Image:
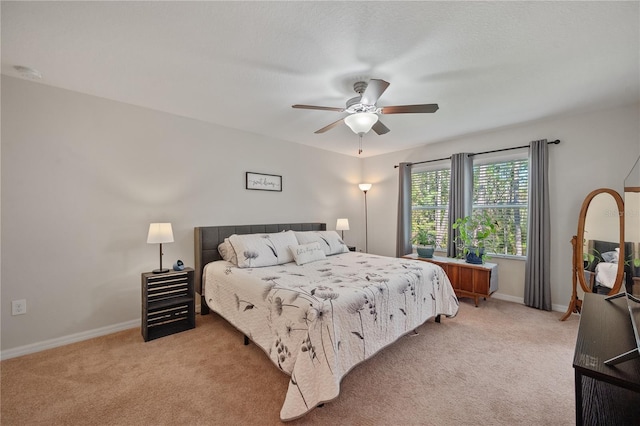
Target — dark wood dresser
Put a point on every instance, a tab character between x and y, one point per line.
605	395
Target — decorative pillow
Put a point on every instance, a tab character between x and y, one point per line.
610	256
227	252
256	250
330	241
306	253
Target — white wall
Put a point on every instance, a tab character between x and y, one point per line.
597	151
632	216
82	178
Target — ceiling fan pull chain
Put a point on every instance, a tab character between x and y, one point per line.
360	144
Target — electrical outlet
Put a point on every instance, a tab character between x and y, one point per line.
18	307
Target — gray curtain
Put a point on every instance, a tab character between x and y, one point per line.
403	238
537	286
460	194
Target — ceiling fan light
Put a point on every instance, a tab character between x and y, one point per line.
361	122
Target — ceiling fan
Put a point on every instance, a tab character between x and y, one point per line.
363	112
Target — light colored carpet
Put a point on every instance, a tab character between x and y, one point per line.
499	364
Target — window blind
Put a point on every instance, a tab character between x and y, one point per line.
430	202
501	188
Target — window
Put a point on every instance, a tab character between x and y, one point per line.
501	188
430	202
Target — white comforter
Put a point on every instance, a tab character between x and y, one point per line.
606	273
319	320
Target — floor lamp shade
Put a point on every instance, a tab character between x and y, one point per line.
160	233
342	225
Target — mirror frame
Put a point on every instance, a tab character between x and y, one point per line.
579	252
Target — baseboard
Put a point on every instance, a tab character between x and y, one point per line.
65	340
90	334
508	298
559	308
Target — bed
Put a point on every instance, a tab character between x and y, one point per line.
601	270
318	319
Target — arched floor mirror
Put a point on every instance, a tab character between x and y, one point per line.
599	257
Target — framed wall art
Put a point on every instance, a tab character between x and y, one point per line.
263	182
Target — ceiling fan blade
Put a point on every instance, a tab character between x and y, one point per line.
380	128
405	109
322	108
374	90
329	126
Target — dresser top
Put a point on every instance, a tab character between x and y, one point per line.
606	332
440	259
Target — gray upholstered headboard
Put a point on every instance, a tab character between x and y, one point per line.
207	239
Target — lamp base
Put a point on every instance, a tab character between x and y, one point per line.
160	271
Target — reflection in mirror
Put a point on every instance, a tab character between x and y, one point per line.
600	233
602	222
632	181
632	228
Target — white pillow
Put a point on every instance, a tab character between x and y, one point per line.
306	253
330	241
610	256
227	252
256	250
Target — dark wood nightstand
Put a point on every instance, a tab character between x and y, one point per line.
168	303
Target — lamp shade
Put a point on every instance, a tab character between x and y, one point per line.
160	233
361	122
342	225
364	186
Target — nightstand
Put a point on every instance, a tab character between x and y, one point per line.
168	303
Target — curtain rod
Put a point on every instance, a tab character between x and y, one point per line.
556	142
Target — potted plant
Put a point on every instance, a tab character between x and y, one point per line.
475	235
589	257
425	242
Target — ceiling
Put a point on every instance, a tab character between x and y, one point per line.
243	64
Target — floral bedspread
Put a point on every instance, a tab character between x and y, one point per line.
317	321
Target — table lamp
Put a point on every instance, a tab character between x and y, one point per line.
160	233
342	225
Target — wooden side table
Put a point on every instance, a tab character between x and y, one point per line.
168	303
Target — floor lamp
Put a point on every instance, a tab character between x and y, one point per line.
364	187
